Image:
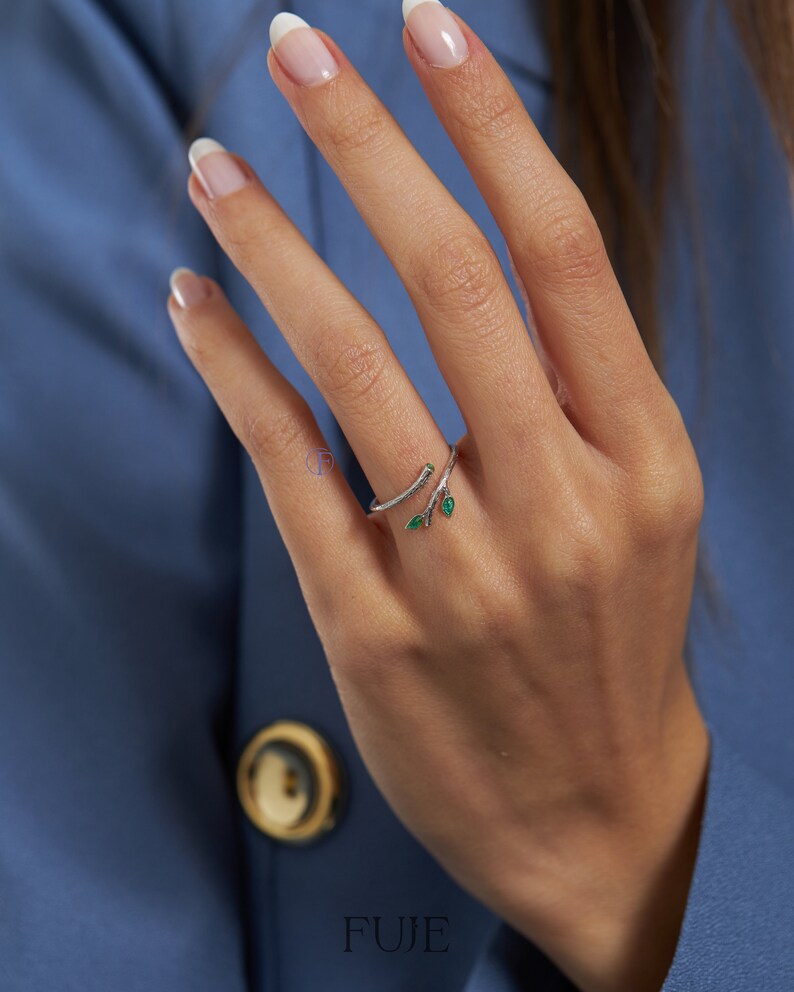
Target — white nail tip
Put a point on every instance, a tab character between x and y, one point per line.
282	23
202	147
408	6
181	271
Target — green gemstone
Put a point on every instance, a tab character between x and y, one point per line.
414	522
448	506
431	466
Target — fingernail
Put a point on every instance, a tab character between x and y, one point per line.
435	32
217	171
188	288
301	51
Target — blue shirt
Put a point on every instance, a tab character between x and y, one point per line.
150	618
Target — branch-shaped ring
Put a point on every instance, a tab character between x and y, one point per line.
447	504
424	475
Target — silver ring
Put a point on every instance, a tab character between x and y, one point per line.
447	504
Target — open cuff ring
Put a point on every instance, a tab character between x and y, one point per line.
447	504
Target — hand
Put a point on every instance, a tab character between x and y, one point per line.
512	674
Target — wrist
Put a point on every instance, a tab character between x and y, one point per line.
604	896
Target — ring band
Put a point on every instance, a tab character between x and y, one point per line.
447	504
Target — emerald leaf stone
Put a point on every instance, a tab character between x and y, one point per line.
414	522
448	506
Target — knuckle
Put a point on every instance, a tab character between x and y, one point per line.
244	237
498	613
354	370
569	244
674	506
584	560
460	273
267	436
362	127
489	113
672	496
244	227
389	647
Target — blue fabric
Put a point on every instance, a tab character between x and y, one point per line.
150	619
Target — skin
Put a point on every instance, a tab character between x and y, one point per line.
531	722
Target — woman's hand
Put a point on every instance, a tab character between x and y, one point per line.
513	674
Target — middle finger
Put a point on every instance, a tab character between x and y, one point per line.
449	268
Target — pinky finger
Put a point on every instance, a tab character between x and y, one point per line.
324	528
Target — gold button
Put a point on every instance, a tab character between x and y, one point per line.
290	782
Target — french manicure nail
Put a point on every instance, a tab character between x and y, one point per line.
435	32
188	288
218	172
301	51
